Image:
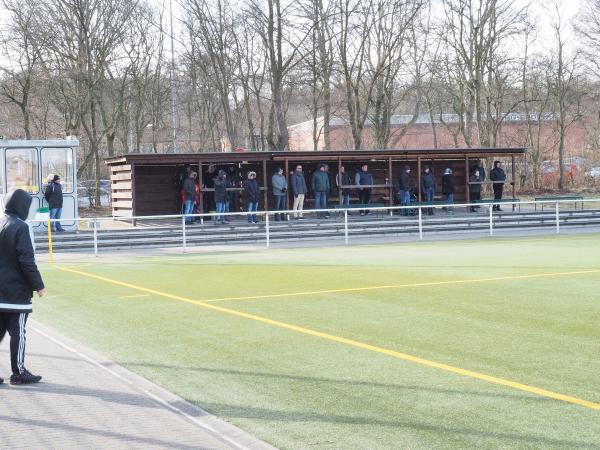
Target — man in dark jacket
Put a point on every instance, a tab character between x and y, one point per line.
321	187
280	186
428	187
252	190
404	188
448	188
54	197
19	278
299	189
364	181
189	195
221	185
498	177
342	181
475	189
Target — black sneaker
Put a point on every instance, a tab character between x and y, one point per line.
25	377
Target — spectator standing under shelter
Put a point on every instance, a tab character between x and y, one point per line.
475	189
342	181
404	189
428	187
221	197
448	188
364	181
478	165
498	177
189	194
321	187
19	278
280	186
54	197
299	189
252	190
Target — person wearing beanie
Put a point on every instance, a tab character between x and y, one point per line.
404	188
498	177
252	190
279	183
54	196
19	279
475	188
428	187
299	189
364	180
448	188
320	186
221	185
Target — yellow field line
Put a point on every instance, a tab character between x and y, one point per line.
397	286
135	296
350	342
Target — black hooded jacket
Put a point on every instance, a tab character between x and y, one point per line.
54	195
19	275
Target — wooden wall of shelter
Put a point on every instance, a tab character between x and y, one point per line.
148	184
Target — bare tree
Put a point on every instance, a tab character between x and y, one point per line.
22	57
83	40
563	80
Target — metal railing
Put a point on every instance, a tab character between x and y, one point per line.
265	215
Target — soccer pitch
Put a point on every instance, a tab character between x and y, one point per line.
487	343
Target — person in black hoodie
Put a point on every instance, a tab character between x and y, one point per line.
54	197
19	278
428	187
221	184
404	189
498	177
448	188
475	189
253	195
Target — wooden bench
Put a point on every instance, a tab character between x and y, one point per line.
502	200
369	206
574	198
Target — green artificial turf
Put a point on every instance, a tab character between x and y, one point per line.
298	391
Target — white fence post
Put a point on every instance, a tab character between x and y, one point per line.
491	221
557	219
95	237
346	226
183	234
267	229
420	224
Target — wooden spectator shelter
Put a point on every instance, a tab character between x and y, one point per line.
147	184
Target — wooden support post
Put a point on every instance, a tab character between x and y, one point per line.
201	182
514	184
340	179
391	182
265	185
419	177
287	181
467	179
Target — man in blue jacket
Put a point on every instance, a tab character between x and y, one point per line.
19	278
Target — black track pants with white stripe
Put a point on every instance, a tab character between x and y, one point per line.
14	323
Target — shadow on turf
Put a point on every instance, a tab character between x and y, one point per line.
345	382
127	439
248	412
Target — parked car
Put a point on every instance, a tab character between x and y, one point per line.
86	191
551	173
593	173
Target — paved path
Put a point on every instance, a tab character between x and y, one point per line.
86	401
